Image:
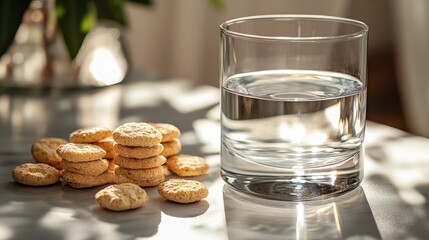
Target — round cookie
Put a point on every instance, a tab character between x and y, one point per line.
171	148
141	183
169	132
183	191
138	152
43	150
90	135
106	144
92	168
78	180
80	185
136	163
35	174
110	155
121	197
75	152
137	135
140	174
187	165
112	166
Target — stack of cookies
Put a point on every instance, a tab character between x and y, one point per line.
100	136
138	156
83	165
169	141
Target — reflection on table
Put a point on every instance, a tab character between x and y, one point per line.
249	217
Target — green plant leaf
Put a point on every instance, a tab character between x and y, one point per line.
75	19
11	12
110	10
143	2
216	3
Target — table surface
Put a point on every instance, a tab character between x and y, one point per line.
390	204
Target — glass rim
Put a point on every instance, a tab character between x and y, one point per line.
362	32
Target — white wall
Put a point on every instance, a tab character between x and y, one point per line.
181	38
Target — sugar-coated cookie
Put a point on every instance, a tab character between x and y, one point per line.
183	191
137	135
138	152
112	166
107	145
121	197
136	163
169	132
140	174
78	180
93	168
75	152
171	148
35	174
141	183
90	135
43	150
187	165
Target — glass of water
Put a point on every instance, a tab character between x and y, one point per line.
293	105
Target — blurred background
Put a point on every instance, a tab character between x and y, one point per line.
180	39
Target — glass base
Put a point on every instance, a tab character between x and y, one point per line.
293	188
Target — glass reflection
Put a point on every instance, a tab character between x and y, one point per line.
342	217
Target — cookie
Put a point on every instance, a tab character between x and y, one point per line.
171	148
187	165
141	183
121	197
44	151
110	155
138	152
166	171
35	174
137	135
75	152
183	191
112	166
136	163
140	174
92	168
106	144
78	180
79	185
90	135
169	132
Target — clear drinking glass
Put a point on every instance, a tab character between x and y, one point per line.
293	105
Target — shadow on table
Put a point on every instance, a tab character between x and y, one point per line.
401	213
56	212
184	210
343	217
21	218
141	222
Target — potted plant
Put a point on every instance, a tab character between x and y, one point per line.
63	42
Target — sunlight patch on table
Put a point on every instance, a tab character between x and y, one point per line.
214	113
196	99
208	132
189	138
99	109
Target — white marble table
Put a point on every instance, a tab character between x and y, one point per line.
392	202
